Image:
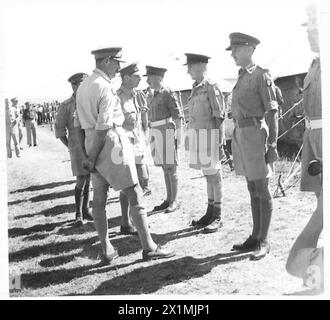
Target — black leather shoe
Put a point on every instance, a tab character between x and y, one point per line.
128	230
214	226
205	219
262	250
107	259
161	207
159	253
249	244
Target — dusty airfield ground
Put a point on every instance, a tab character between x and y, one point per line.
55	258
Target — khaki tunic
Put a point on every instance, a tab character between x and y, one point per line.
162	105
205	105
64	125
253	95
98	108
132	102
312	140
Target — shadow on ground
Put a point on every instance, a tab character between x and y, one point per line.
51	212
45	197
44	186
149	279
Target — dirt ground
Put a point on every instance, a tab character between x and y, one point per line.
52	257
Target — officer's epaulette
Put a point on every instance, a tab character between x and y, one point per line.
262	70
67	101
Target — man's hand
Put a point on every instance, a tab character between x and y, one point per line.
88	165
271	155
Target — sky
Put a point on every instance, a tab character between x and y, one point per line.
44	42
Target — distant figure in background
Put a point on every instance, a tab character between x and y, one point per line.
132	102
11	129
29	118
40	111
306	259
15	105
66	132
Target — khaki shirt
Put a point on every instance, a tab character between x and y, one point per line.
205	104
132	104
65	118
163	104
98	106
312	102
253	94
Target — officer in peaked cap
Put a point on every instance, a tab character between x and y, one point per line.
110	157
254	149
165	121
241	39
66	132
77	78
155	71
114	53
206	115
134	106
305	255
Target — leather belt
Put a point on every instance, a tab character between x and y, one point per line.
246	122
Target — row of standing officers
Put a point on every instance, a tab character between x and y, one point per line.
107	138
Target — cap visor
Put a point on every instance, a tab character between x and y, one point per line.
304	24
229	48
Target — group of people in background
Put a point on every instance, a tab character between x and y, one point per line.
29	115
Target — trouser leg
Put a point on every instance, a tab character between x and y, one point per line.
139	218
8	141
34	133
28	132
266	207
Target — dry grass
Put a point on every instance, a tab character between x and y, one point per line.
55	258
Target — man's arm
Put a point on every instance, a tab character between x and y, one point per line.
272	155
97	145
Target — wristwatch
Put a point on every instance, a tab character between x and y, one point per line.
272	145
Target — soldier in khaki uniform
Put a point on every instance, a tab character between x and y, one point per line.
110	157
66	132
29	118
15	105
133	104
206	137
165	121
11	129
306	259
254	143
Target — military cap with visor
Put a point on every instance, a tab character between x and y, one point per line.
193	58
155	71
241	39
77	77
112	52
130	69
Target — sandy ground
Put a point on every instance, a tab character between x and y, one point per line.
52	257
